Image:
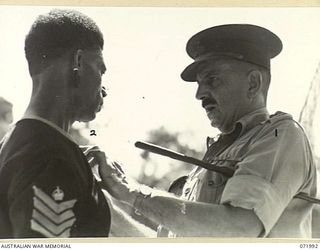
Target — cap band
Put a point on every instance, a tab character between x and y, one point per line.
211	55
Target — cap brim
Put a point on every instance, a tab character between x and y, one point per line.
189	74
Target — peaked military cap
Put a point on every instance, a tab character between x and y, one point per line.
245	42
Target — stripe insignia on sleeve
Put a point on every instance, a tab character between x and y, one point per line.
50	218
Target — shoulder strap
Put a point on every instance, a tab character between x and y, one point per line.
262	125
302	196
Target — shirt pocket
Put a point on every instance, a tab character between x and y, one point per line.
212	184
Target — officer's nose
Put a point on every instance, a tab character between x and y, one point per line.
202	92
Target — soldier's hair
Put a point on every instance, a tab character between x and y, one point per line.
58	32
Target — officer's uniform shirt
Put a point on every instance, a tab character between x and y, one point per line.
46	186
272	162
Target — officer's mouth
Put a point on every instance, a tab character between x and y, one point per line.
210	108
209	105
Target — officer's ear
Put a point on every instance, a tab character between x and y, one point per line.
255	83
77	67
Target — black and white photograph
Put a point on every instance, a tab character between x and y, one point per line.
159	122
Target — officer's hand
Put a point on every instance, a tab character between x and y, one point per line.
96	157
109	174
116	183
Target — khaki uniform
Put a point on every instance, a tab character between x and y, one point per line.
273	162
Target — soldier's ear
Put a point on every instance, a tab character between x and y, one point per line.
77	59
255	83
76	67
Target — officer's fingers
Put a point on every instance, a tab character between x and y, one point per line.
93	162
119	167
96	157
95	152
108	170
87	149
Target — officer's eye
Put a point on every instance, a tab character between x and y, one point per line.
212	80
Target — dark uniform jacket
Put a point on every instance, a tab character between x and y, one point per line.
46	186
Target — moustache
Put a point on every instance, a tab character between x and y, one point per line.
208	101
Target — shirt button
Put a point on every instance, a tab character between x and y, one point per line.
210	183
187	191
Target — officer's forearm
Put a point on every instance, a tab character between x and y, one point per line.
123	225
187	218
184	218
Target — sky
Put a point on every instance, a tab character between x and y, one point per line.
145	54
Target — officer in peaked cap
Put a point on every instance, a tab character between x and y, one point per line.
269	155
243	42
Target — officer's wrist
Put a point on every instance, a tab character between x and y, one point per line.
143	193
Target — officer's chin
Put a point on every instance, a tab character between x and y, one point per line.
213	122
216	125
